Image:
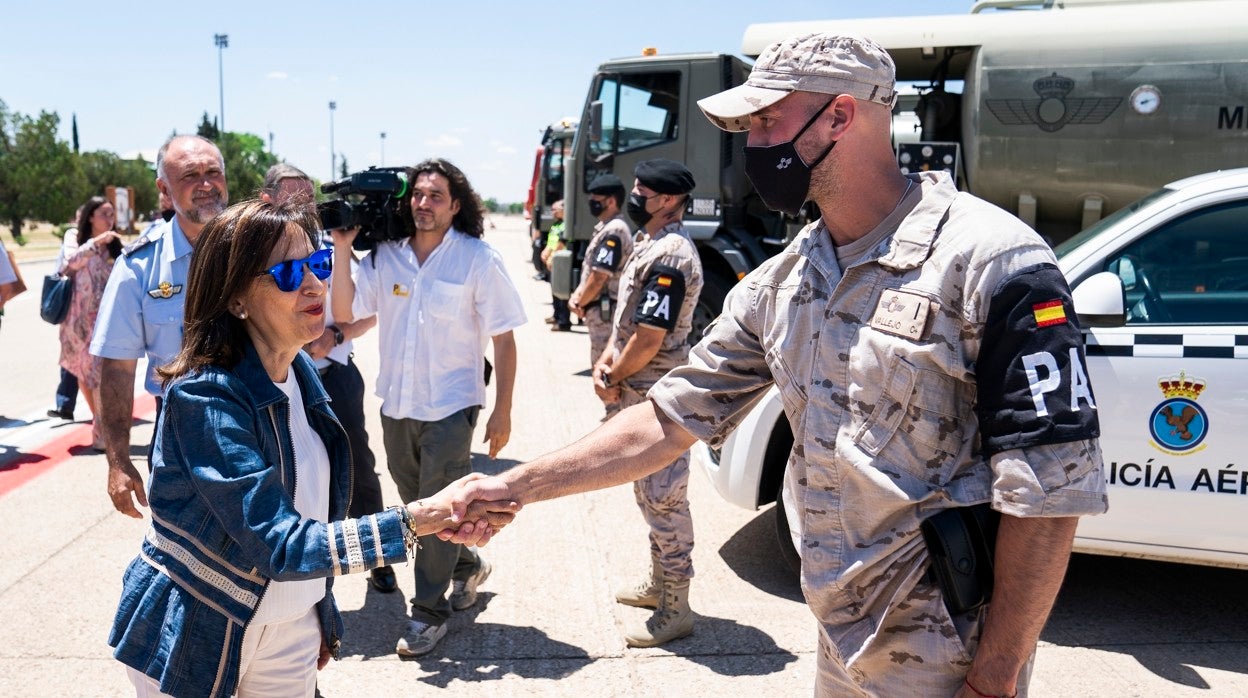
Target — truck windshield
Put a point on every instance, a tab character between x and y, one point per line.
638	110
1111	220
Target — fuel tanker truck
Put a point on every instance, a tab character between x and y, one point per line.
1060	112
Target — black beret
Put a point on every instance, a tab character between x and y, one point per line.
665	176
606	184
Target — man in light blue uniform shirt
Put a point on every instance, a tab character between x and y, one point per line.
141	312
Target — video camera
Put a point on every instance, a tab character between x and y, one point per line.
372	200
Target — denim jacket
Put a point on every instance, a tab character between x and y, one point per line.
224	524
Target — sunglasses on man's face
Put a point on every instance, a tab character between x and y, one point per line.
289	274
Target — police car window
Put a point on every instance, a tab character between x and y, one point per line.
1191	270
643	112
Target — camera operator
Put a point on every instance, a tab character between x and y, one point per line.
438	295
332	352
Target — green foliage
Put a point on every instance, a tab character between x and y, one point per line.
515	208
208	129
344	171
43	179
246	162
103	168
491	205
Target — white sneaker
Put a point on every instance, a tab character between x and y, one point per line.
464	591
420	638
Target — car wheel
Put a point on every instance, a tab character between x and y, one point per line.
784	539
715	288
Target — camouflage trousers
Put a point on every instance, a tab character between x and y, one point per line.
663	498
918	651
599	335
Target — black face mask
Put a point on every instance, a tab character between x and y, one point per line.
778	173
596	207
637	209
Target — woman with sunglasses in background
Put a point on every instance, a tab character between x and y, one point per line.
231	591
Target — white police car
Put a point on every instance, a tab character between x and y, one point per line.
1161	289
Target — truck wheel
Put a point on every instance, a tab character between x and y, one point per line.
784	540
715	288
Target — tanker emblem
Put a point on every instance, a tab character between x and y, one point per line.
1178	424
1052	110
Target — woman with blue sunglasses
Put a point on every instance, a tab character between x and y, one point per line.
231	593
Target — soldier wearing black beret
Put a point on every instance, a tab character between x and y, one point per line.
657	293
605	258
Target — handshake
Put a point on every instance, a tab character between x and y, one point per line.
468	511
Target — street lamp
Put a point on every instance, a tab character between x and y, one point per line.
223	42
383	148
333	157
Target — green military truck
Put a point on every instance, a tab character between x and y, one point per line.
1061	113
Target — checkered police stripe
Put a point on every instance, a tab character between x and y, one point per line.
1174	346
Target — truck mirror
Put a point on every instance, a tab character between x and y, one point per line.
595	120
1100	301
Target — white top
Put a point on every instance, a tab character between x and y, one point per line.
434	321
342	353
285	601
7	275
69	244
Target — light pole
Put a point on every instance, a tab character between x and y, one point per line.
333	156
223	42
383	148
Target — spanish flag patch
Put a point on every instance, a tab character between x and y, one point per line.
665	281
1049	313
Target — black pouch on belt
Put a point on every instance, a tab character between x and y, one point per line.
605	308
961	543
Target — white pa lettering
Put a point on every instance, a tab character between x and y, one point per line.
657	306
606	256
1043	360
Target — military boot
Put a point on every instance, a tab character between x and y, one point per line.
673	618
643	594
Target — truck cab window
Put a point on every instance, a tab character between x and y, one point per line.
638	110
1191	270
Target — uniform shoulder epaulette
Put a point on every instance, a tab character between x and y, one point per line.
139	244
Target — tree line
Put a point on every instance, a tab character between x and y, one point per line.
44	178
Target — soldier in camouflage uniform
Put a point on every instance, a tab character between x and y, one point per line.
609	250
927	353
658	290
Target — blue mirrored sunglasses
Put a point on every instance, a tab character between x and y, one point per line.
289	274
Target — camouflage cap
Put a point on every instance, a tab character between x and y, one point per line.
833	64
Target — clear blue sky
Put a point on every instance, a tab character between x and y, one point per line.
475	82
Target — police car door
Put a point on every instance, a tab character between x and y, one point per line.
1170	386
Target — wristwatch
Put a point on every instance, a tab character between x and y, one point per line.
338	336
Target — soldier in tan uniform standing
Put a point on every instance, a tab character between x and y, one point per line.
609	250
927	352
658	290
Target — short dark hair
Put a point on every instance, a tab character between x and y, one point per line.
471	217
273	178
231	251
85	231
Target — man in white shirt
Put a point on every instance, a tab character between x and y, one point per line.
438	296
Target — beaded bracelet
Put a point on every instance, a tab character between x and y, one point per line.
410	540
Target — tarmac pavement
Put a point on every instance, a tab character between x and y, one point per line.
545	623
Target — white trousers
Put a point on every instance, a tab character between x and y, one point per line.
278	661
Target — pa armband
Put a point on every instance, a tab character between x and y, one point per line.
661	298
609	254
1032	373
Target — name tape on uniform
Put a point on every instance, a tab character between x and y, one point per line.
902	314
